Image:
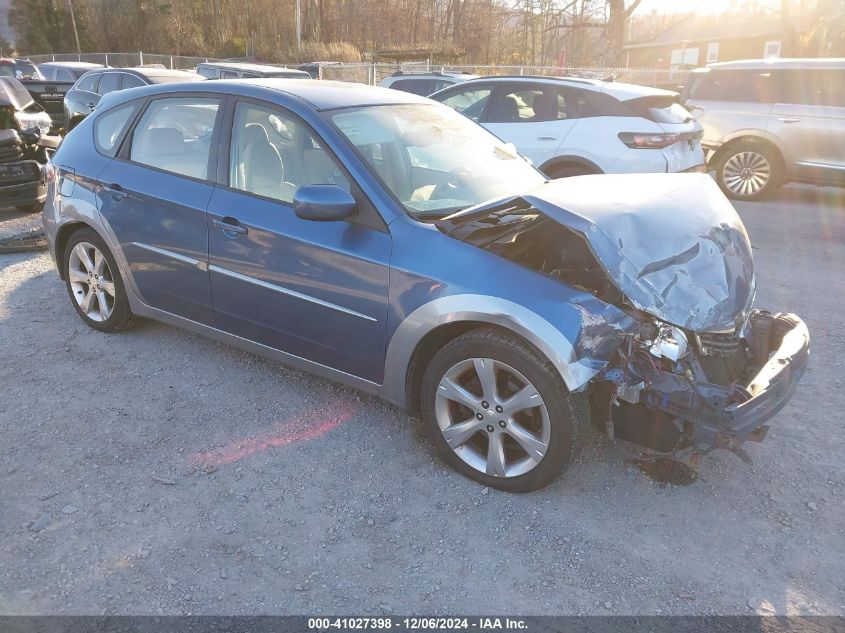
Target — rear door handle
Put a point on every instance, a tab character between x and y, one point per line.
546	138
788	119
230	225
116	192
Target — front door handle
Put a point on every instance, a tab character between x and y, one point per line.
116	192
230	226
788	119
546	138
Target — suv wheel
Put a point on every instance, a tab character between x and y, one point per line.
94	283
747	171
499	413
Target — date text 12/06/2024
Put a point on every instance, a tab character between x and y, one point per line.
416	624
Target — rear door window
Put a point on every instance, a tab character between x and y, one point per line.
422	87
735	85
525	103
174	135
109	83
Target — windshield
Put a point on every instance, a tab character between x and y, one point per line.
432	159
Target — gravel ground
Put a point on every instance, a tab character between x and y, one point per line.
159	472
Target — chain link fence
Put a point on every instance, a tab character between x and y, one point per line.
374	73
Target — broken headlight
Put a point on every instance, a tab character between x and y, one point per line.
670	342
39	120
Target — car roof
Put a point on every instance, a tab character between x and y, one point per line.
259	68
72	64
320	95
794	62
619	90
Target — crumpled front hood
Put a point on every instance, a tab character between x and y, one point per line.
672	243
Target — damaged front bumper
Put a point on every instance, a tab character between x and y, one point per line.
708	414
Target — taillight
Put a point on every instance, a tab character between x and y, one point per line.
49	173
648	141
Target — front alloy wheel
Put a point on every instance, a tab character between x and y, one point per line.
499	412
492	417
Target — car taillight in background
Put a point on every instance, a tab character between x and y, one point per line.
649	141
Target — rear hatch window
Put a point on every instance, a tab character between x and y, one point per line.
660	109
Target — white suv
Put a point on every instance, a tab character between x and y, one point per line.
568	127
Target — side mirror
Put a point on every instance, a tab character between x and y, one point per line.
323	203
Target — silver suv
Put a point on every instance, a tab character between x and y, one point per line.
769	122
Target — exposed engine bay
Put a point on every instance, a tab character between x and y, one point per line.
671	390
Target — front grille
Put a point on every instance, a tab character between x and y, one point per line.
720	344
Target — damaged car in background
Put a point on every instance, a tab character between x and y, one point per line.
24	147
433	267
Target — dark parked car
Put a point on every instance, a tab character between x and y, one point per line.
385	241
24	144
66	71
85	94
59	78
19	69
243	70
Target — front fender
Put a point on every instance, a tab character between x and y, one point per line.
579	347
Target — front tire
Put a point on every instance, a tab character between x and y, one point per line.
748	170
499	413
94	283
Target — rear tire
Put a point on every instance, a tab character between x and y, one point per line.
748	170
515	445
94	284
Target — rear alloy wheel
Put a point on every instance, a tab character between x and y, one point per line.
499	413
747	171
94	283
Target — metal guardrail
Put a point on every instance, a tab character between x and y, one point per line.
374	72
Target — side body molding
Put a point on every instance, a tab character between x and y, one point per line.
486	309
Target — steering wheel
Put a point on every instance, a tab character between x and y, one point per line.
457	180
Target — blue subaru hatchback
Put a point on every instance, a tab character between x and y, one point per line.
382	240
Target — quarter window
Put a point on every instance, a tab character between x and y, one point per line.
811	87
131	81
273	154
175	135
109	127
